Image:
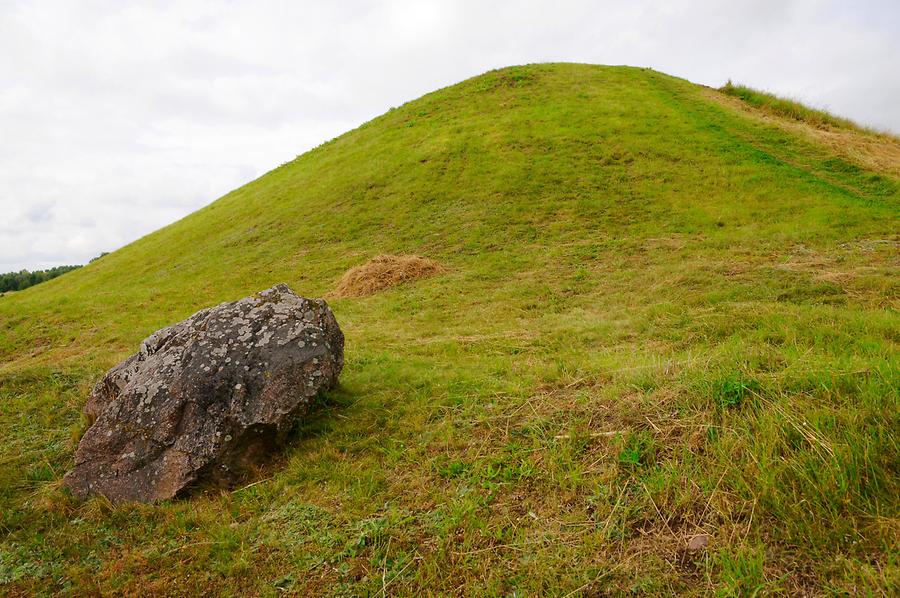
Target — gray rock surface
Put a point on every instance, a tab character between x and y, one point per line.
207	398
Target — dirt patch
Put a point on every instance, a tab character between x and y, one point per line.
382	272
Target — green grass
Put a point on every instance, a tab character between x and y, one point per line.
789	109
659	317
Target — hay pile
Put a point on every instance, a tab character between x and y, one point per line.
382	272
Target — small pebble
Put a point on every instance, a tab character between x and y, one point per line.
698	543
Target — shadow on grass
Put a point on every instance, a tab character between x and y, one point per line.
269	456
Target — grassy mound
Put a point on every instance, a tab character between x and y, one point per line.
662	317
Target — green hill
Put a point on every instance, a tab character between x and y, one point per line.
661	312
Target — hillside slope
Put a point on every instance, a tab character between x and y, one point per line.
659	316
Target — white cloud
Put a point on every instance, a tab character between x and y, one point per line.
118	118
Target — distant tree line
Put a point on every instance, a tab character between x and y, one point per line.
16	281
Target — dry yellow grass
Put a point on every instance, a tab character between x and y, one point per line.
879	151
382	272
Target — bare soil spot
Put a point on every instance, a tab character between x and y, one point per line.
382	272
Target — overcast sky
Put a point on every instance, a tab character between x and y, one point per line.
118	117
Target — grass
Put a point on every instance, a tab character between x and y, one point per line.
789	109
658	317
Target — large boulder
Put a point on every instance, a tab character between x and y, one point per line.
208	397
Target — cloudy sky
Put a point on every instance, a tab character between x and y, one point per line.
119	117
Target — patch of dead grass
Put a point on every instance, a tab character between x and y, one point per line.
880	152
857	267
382	272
